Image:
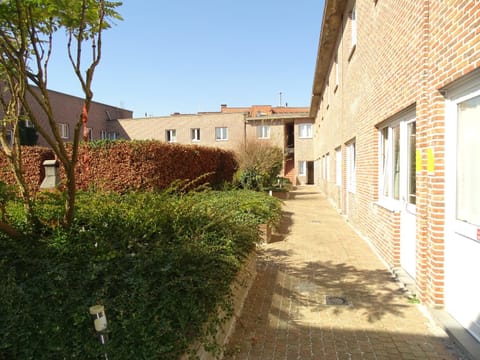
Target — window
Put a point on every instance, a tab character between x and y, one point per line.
103	135
90	134
353	18
351	167
64	130
171	135
112	135
195	134
468	173
304	131
390	153
327	167
9	137
263	132
337	75
338	166
29	123
221	133
302	168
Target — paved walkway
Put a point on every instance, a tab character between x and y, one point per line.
314	257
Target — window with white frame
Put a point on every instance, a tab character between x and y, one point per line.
221	133
327	167
171	135
351	166
64	130
337	75
304	131
112	135
353	19
338	166
397	172
103	135
9	137
468	173
302	168
263	131
195	134
90	134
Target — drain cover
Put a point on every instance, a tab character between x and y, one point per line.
335	300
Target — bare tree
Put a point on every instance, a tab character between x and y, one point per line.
27	28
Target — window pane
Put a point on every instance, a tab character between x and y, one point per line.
468	171
412	167
396	162
385	162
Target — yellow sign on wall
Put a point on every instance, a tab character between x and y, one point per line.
418	160
430	161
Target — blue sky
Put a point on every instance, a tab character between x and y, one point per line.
191	55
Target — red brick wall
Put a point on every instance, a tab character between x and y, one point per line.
406	52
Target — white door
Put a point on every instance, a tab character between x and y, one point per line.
408	222
462	195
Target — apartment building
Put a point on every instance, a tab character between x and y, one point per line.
67	110
289	128
396	102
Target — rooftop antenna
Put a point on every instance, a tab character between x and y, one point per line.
280	95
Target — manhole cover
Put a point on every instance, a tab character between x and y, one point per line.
335	300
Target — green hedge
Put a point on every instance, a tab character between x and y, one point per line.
161	264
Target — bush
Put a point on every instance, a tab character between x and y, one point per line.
259	165
161	264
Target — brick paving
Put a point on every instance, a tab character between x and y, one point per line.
316	255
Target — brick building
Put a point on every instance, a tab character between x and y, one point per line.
289	128
67	110
396	102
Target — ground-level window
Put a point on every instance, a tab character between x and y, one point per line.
338	166
171	135
221	133
64	130
103	135
90	134
468	171
397	172
195	134
302	168
304	131
112	135
263	131
9	137
351	166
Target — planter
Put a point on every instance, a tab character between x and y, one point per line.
283	195
266	232
240	288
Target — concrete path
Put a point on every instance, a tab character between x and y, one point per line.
316	257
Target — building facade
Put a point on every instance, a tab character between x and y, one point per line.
231	128
396	102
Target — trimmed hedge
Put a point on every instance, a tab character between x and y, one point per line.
160	263
32	159
122	166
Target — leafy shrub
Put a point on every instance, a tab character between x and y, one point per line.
259	165
161	264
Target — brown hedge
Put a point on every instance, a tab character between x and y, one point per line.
150	165
132	165
32	160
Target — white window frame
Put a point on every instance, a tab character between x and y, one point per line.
113	135
221	133
171	135
351	148
465	91
103	135
64	129
90	133
263	131
195	134
305	131
353	19
338	166
302	168
386	170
